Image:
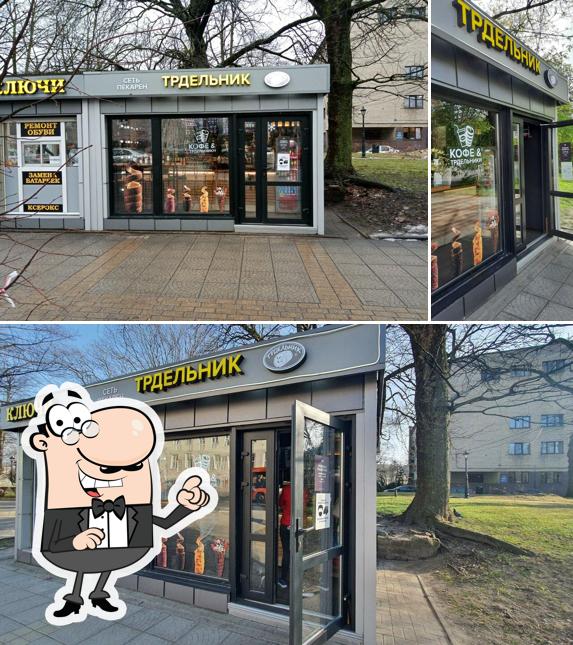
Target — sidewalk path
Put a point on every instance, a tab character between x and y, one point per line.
404	616
206	276
542	290
149	621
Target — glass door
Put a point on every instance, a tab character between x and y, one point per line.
561	191
274	170
316	532
518	185
256	568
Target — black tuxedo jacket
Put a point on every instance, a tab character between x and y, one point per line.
61	525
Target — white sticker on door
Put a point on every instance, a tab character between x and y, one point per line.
322	515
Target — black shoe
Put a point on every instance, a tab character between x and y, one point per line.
103	604
69	608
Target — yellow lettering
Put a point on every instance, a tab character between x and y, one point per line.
219	368
179	376
193	80
487	34
184	82
203	79
203	371
537	67
224	80
9	414
233	363
246	79
476	21
157	382
165	80
498	38
190	375
462	9
167	379
139	383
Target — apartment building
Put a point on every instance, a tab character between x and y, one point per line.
516	442
396	113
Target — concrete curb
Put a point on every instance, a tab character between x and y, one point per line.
435	611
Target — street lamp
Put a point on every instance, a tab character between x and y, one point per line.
467	490
363	112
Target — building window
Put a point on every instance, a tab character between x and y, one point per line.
550	477
490	375
519	449
553	366
415	71
519	423
551	420
525	477
551	447
195	165
466	226
414	102
520	370
408	133
202	548
506	478
132	166
391	14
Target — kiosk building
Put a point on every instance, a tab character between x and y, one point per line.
302	409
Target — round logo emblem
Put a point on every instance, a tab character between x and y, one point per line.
277	79
551	78
284	357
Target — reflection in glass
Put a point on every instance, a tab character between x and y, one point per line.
517	182
132	166
257	566
258	486
195	165
9	182
71	130
322	487
250	170
202	547
321	588
564	213
32	154
465	213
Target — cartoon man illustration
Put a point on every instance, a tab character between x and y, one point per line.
98	504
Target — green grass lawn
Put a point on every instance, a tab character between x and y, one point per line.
541	524
395	170
498	597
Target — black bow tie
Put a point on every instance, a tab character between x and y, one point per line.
117	506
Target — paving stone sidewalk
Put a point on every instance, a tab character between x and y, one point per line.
206	276
27	591
404	615
542	289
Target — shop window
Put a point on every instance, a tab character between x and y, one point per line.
9	165
466	227
551	447
195	165
519	423
550	477
414	102
492	374
520	448
72	150
202	548
551	420
132	170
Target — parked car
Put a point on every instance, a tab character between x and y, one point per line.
125	155
377	149
405	488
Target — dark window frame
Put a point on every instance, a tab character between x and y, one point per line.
414	102
520	371
521	452
520	422
546	417
557	448
189	578
415	71
553	365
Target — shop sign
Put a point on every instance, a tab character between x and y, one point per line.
20	412
40	128
130	83
201	144
322	514
41	177
277	79
284	357
283	161
43	208
495	37
110	391
187	374
13	87
466	154
187	81
321	473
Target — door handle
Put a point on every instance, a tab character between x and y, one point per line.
298	533
244	485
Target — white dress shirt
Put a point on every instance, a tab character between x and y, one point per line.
115	529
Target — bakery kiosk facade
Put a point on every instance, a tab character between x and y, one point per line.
302	409
501	166
217	149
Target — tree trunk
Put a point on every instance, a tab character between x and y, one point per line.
337	19
569	491
431	501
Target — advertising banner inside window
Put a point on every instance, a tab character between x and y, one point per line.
466	226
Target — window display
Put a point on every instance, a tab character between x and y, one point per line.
465	210
195	165
203	547
132	166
